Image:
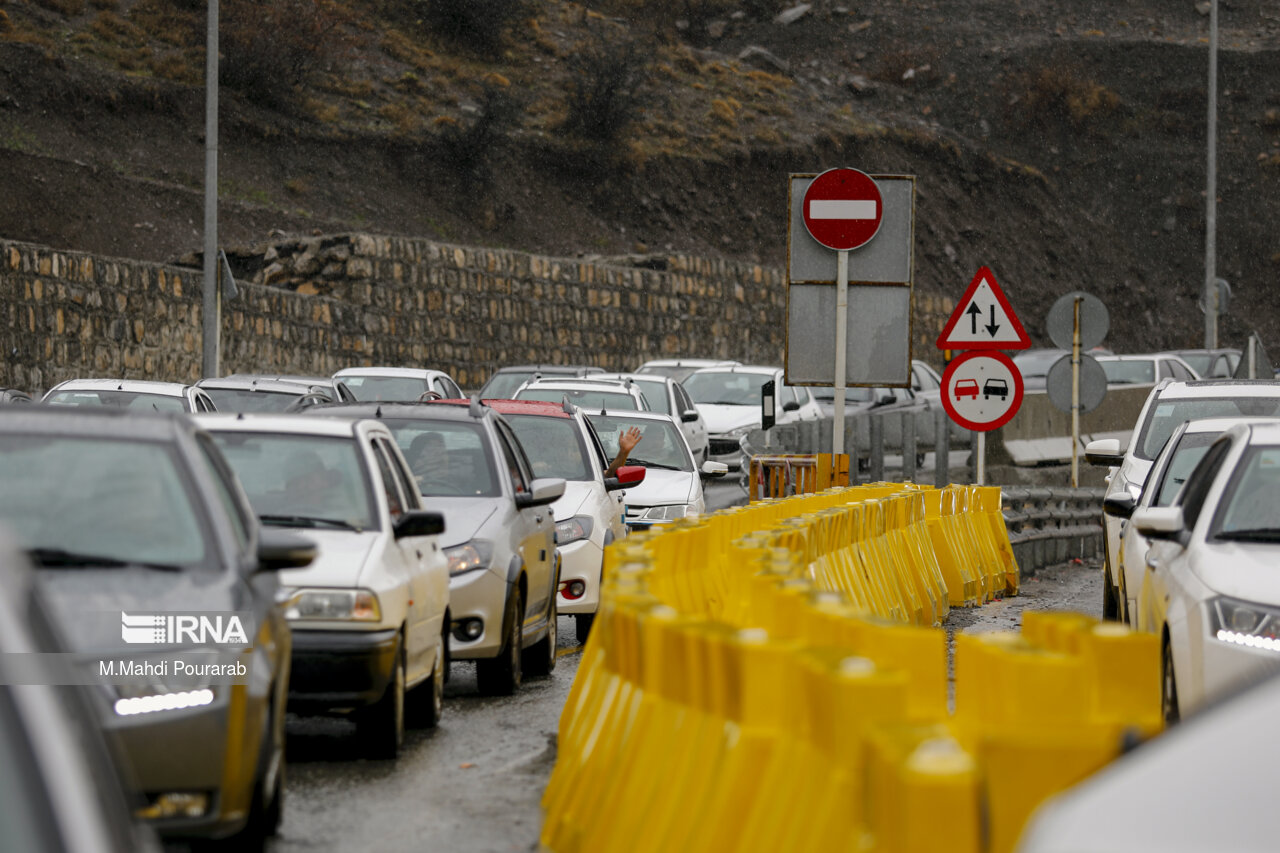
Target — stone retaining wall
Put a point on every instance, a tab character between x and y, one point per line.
317	305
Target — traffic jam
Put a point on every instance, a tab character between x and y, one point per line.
376	610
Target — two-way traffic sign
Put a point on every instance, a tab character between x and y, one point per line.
983	319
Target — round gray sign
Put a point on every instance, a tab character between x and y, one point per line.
1094	320
1093	383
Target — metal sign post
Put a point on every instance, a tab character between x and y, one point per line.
210	306
842	330
1075	397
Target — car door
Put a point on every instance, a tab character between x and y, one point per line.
405	559
695	430
533	532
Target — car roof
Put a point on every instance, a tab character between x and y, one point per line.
629	414
284	377
633	377
549	368
581	384
516	407
1200	425
246	383
411	372
689	362
1218	388
103	421
739	368
134	386
342	427
426	410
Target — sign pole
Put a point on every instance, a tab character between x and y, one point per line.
1075	398
981	475
842	331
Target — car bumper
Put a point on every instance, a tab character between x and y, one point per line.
726	449
580	560
1226	668
478	595
340	669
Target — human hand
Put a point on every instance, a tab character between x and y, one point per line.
629	439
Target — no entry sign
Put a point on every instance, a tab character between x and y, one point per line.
843	209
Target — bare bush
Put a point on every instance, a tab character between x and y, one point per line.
1060	95
468	144
608	87
479	24
271	47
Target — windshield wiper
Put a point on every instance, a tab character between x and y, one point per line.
631	460
1256	534
309	521
59	558
725	403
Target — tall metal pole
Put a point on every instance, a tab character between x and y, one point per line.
1075	396
842	331
1211	201
210	313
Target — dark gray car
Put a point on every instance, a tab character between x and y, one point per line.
159	579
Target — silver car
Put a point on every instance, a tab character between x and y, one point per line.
136	395
668	397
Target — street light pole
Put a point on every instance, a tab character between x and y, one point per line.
1211	201
211	311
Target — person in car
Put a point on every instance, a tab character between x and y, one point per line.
626	443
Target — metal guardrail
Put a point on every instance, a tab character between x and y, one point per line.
1052	525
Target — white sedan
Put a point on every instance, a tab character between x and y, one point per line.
729	399
1215	592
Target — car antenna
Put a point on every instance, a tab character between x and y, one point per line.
377	413
566	405
476	408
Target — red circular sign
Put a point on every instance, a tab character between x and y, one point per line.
843	208
982	390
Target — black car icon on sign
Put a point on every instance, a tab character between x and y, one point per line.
995	387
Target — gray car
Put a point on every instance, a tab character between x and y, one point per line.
244	393
163	585
135	395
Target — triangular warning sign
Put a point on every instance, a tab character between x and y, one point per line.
983	319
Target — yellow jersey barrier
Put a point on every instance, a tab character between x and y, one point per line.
771	677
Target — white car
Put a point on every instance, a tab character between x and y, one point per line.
672	486
586	393
132	394
729	399
589	516
400	384
1214	589
668	397
1169	404
370	616
1145	369
679	369
1180	454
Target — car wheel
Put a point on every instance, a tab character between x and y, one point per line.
501	676
920	459
582	624
542	654
381	726
1110	602
1168	686
426	703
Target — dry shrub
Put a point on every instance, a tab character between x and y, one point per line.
169	22
1062	96
608	86
113	29
469	143
68	8
481	25
271	47
175	66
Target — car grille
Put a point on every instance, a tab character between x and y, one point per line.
721	446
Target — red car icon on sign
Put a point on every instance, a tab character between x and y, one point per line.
967	388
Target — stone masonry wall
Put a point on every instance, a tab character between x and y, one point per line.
315	306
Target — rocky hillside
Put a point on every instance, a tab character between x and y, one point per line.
1061	142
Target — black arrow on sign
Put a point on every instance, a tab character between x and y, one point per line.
973	313
993	328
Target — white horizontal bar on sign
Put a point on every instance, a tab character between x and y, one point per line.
842	208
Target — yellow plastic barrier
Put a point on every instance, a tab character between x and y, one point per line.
769	678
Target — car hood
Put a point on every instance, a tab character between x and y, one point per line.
464	518
341	557
722	419
1243	570
86	603
663	487
571	502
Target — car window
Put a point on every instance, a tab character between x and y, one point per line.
1164	415
141	402
1185	457
118	499
660	446
301	480
374	388
403	479
447	458
516	469
502	385
1252	500
450	389
221	474
726	389
682	399
554	446
244	400
1180	373
1199	481
586	399
1133	372
1222	367
387	479
655	394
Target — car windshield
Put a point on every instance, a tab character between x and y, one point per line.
301	480
586	399
502	385
136	400
1037	363
114	499
1185	458
1199	362
1253	496
554	446
655	394
373	388
727	388
676	372
245	400
1165	415
448	458
1129	372
660	444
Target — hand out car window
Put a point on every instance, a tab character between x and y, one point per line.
129	501
447	458
660	441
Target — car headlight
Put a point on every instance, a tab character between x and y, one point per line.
469	556
669	512
741	431
1245	624
151	703
358	605
573	529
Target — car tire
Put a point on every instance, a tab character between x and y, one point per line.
380	727
582	623
542	654
501	675
1110	601
1168	686
426	703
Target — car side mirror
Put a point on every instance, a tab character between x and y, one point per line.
886	399
543	491
278	549
790	406
713	469
627	475
1104	451
418	522
1120	505
1160	523
689	415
